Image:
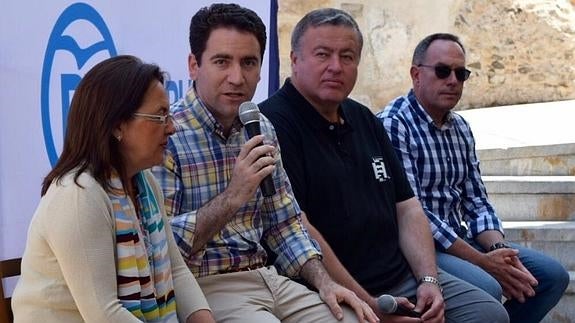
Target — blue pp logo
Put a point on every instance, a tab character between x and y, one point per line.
79	39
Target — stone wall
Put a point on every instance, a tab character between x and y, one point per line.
519	51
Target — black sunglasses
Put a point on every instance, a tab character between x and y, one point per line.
443	72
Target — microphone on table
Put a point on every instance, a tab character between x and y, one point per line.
388	305
249	114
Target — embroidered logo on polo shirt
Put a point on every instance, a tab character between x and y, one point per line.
379	170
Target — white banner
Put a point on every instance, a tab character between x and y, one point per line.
45	49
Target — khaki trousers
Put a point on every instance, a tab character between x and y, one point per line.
264	296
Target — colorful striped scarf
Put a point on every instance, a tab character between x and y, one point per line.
144	272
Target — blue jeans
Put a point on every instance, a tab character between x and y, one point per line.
552	278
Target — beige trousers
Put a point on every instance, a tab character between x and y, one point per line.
264	296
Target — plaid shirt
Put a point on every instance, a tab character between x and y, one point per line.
443	169
197	167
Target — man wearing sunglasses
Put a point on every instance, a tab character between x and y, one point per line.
345	176
437	150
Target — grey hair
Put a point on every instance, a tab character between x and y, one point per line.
320	17
421	48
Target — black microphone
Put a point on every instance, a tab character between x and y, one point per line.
388	305
250	117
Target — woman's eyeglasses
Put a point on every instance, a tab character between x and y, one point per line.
443	72
161	119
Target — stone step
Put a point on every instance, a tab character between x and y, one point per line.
532	198
548	160
522	125
564	311
554	238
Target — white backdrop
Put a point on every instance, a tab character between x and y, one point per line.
38	73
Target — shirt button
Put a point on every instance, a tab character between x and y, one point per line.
331	127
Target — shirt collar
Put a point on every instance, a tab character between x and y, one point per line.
310	114
204	116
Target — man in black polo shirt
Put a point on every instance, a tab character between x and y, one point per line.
345	176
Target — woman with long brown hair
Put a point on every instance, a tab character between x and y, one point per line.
100	248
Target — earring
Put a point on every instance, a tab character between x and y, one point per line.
119	138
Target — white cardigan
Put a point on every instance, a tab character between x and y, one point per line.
69	264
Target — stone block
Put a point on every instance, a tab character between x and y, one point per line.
548	160
535	198
554	238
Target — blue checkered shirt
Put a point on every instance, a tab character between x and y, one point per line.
198	166
443	170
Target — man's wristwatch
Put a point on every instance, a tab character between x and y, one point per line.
431	280
499	245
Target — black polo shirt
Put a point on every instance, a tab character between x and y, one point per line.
347	179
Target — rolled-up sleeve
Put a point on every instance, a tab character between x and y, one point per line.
477	211
284	232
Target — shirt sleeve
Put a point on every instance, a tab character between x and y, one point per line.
476	209
183	223
80	232
401	140
284	232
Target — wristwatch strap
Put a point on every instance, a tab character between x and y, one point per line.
499	245
431	280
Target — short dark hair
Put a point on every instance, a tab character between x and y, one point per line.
324	16
421	48
108	95
224	15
